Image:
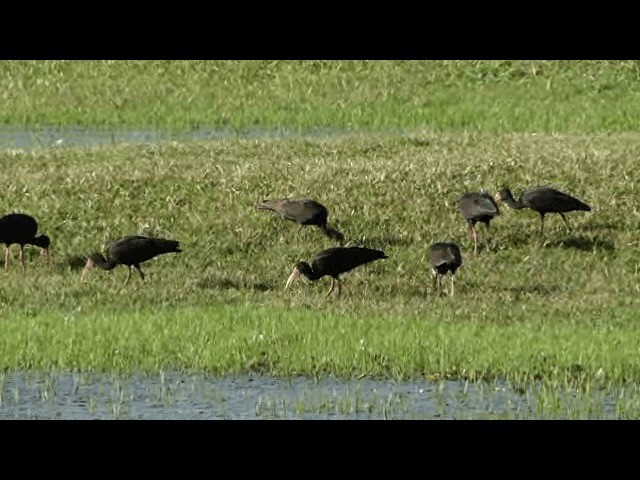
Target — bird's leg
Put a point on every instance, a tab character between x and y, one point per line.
566	222
434	282
332	285
339	287
451	293
22	257
139	271
128	276
475	240
6	256
469	230
541	224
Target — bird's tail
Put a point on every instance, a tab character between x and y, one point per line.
168	246
584	206
333	234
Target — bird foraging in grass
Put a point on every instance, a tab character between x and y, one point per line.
131	251
445	258
21	228
477	207
304	211
543	200
333	262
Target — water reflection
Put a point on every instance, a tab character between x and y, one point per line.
181	396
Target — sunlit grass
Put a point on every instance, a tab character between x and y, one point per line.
493	96
560	310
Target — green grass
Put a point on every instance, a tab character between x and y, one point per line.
558	313
490	96
560	309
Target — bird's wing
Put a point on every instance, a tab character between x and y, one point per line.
479	204
342	259
552	200
137	248
296	209
444	254
485	205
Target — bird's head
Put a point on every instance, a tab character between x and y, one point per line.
299	269
92	259
43	242
502	195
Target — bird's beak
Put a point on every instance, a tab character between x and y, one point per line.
497	198
87	267
295	274
45	252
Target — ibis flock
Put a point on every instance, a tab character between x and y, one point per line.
444	256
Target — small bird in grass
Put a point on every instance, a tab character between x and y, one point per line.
131	251
21	228
543	200
477	207
334	262
304	211
445	258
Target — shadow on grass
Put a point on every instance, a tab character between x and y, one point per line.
222	282
535	289
70	262
380	241
578	242
581	243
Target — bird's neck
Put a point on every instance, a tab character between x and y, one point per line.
308	272
103	263
513	203
40	241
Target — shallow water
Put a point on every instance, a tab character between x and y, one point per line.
182	396
52	137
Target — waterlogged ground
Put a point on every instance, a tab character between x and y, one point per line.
56	137
181	396
189	396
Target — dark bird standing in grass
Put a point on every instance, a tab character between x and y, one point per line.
21	229
131	251
333	262
445	257
303	211
543	200
477	207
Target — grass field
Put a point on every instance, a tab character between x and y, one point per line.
562	308
491	96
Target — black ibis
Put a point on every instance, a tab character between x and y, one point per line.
445	258
333	262
21	228
304	211
477	207
543	200
131	250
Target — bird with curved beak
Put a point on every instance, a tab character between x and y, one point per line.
333	262
543	200
131	251
303	211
